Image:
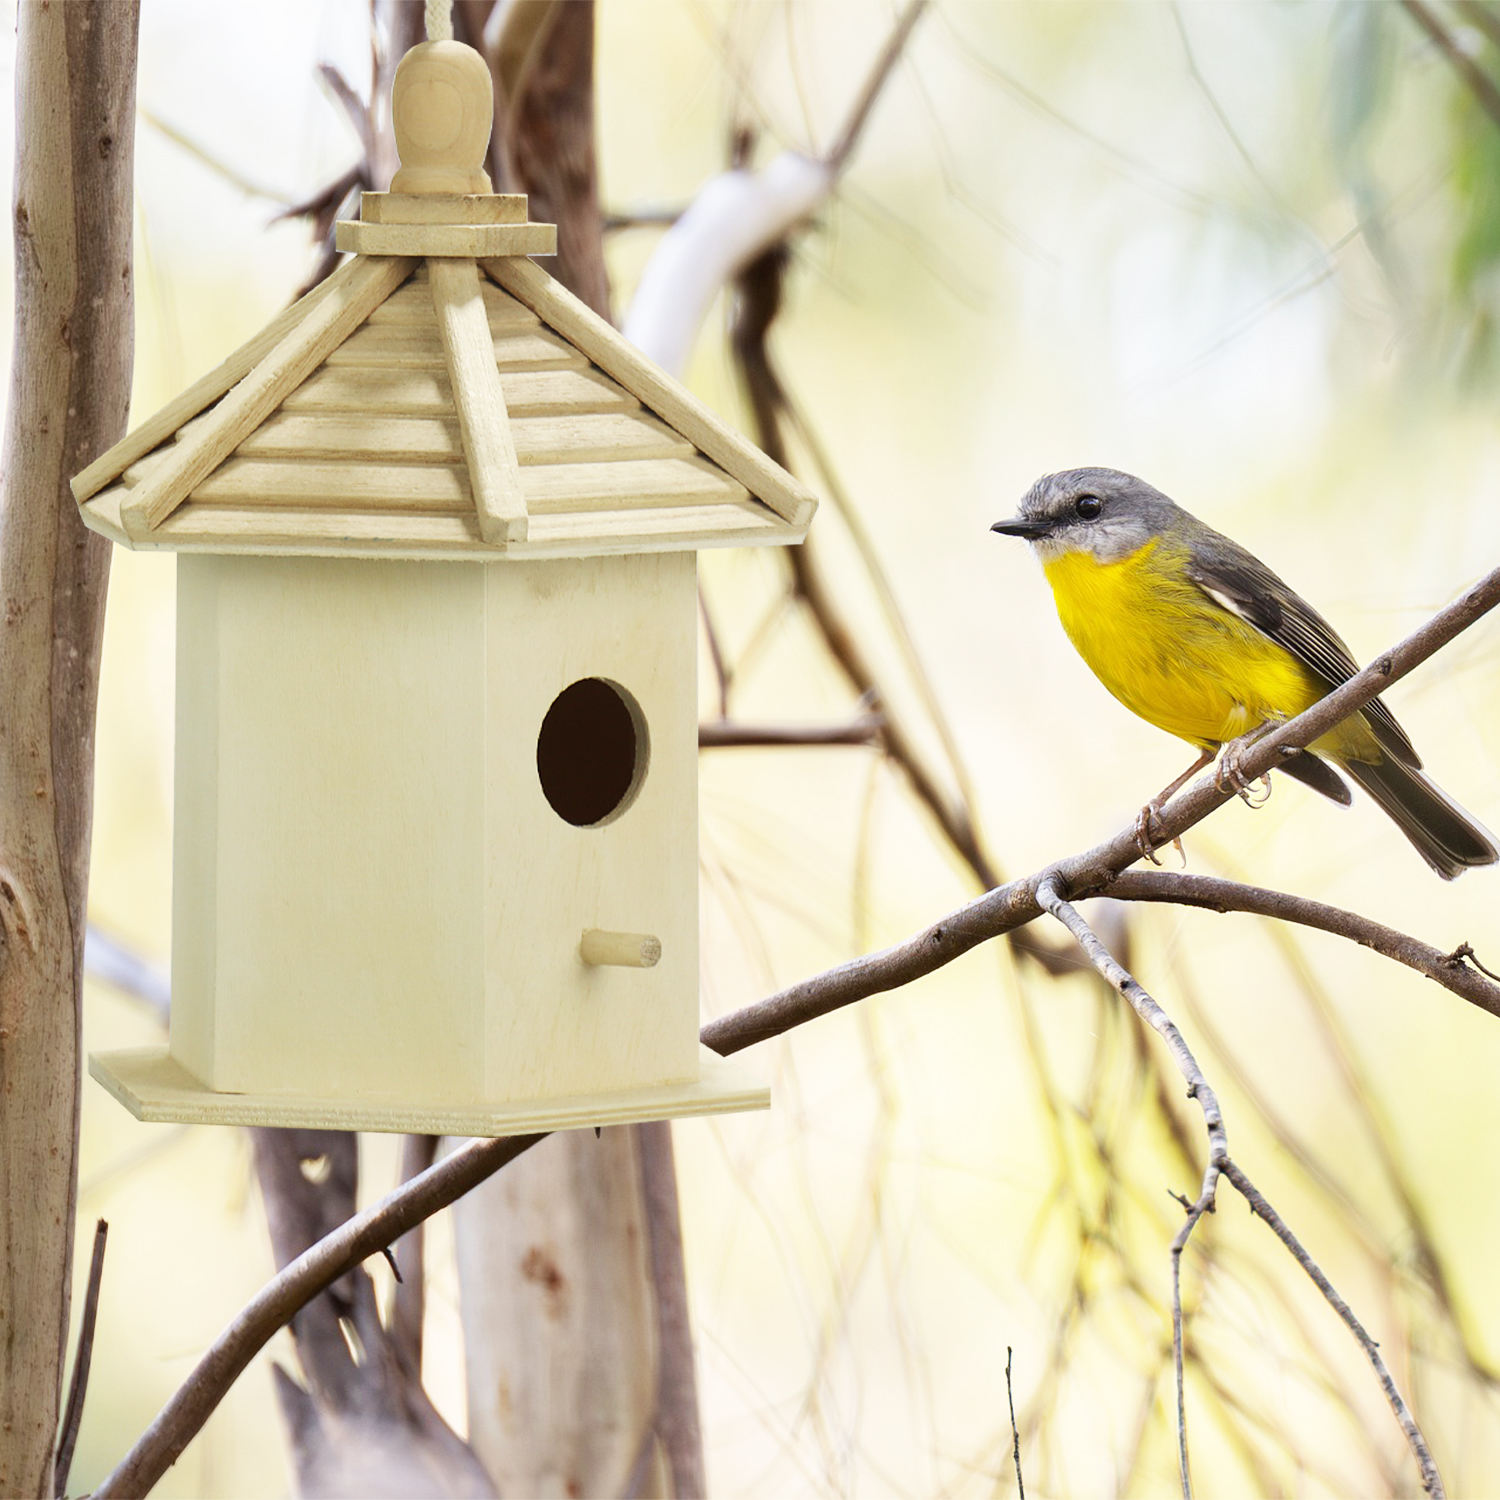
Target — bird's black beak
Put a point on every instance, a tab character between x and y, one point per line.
1020	526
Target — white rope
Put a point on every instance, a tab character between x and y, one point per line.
439	20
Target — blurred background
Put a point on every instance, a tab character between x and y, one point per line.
1250	251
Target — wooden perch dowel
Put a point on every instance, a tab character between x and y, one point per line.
622	950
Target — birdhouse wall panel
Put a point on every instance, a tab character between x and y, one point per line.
195	826
342	770
557	1024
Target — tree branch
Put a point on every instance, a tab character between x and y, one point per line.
1452	969
1131	990
318	1267
1431	1480
82	1361
1219	1162
721	734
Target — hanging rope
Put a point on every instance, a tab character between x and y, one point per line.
439	20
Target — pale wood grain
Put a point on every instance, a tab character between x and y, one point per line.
412	304
515	346
646	484
153	1086
465	241
625	950
357	750
442	208
592	437
586	330
528	393
483	422
257	395
205	528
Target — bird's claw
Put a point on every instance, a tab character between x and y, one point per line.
1149	840
1228	777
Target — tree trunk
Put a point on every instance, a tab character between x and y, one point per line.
70	391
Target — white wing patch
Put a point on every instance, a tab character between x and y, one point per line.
1224	601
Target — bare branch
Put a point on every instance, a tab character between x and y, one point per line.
1431	1480
317	1268
720	734
895	44
1131	990
1452	970
79	1384
408	1265
1015	1432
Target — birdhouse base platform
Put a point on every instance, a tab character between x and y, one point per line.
153	1085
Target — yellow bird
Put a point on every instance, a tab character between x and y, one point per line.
1199	637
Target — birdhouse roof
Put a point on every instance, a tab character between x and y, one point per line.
452	402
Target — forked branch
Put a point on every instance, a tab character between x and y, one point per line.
1219	1163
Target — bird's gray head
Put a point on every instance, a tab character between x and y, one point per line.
1099	511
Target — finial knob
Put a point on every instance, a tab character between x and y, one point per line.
443	109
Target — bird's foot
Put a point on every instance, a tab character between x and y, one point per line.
1229	777
1149	838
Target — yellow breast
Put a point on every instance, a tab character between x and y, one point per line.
1169	653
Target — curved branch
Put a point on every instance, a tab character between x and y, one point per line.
278	1301
1451	970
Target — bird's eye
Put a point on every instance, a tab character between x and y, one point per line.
1088	506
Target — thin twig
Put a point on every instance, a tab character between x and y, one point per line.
721	734
1214	894
317	1268
1132	991
79	1384
1431	1480
895	44
1484	89
1015	1432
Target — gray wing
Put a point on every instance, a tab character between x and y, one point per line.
1239	582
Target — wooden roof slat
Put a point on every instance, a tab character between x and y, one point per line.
272	484
203	392
591	437
648	483
429	534
295	355
518	346
411	307
483	421
397	392
617	357
652	484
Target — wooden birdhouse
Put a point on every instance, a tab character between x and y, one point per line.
435	863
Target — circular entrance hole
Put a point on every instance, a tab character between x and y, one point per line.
591	753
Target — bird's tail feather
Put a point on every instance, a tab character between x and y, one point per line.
1439	829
